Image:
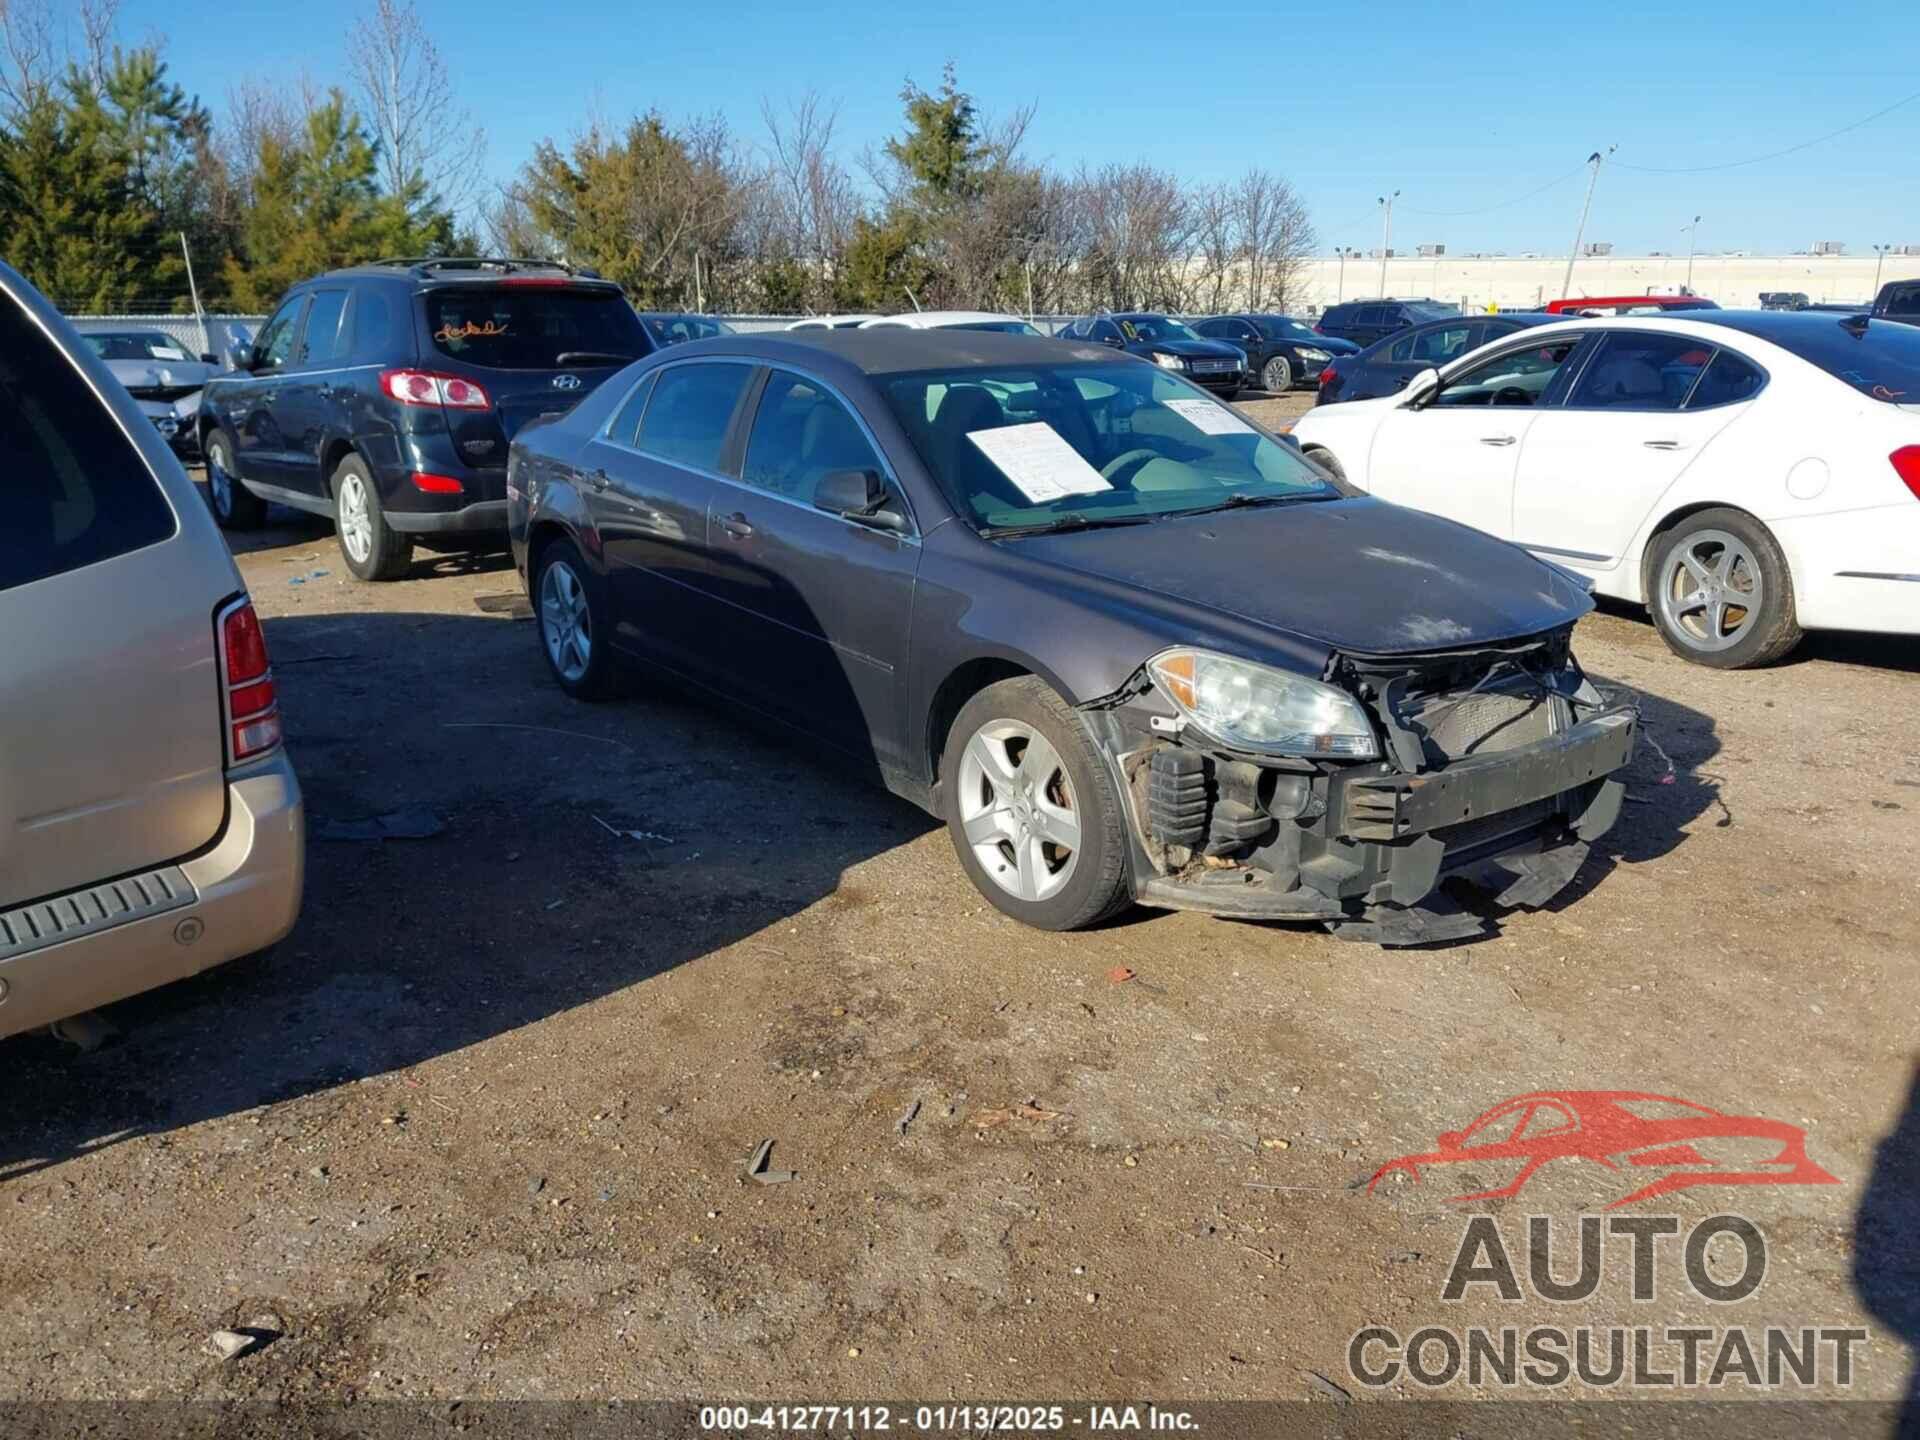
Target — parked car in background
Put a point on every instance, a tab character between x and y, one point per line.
150	823
1387	365
1898	300
1595	306
1365	321
1149	643
384	396
1745	474
162	375
1221	367
672	328
1281	351
833	322
1784	300
953	320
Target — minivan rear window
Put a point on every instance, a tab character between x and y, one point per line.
534	327
74	489
1882	361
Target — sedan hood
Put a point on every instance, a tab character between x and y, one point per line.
1358	575
1191	349
158	375
1332	344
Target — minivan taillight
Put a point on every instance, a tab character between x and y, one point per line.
249	708
424	387
1906	464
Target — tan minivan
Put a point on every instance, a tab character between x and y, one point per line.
150	822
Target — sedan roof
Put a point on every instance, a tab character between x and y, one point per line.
895	349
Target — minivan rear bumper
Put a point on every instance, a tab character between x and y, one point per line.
246	895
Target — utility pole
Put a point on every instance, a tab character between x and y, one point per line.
1691	235
1386	238
1595	160
1880	258
199	315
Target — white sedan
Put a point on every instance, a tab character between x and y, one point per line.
1746	475
952	320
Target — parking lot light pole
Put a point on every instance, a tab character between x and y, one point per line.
1690	229
1880	258
1595	159
1386	238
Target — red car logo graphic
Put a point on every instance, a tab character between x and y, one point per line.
1624	1130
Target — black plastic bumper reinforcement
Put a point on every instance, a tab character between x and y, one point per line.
1386	807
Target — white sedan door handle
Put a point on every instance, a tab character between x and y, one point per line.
1661	444
1496	439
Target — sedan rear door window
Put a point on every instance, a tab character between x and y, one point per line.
1640	372
691	411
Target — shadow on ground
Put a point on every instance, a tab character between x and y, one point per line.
524	905
1886	1244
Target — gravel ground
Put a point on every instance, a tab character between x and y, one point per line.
477	1128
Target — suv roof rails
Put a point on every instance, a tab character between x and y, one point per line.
505	264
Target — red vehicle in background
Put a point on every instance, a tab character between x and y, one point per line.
1629	305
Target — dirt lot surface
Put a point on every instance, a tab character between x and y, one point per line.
477	1128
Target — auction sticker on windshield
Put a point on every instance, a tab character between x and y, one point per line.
1037	460
1209	418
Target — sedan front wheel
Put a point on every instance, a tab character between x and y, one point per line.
1277	377
1033	810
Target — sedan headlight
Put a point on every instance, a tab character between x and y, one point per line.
1168	362
1314	355
1260	708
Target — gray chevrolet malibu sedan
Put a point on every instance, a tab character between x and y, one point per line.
150	822
1129	646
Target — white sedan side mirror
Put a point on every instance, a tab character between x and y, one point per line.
1420	388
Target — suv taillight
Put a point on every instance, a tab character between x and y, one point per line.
424	387
249	708
1906	464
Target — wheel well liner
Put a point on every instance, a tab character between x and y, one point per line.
954	692
336	451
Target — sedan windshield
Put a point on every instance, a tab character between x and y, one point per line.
1059	446
1153	327
135	345
1281	327
999	327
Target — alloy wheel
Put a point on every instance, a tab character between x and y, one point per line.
1018	811
1277	377
1712	590
566	621
219	482
355	520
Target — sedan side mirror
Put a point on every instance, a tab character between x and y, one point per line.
858	495
1422	387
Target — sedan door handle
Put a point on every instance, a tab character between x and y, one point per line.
599	479
1661	444
1497	439
736	525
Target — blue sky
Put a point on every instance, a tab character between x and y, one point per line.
1461	107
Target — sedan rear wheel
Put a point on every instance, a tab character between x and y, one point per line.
1277	375
1721	593
571	611
1032	808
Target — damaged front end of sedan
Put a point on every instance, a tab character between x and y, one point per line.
1348	800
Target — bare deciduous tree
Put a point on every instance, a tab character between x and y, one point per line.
31	53
1275	238
810	199
98	19
428	140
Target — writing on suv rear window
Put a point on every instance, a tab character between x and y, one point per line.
75	490
508	327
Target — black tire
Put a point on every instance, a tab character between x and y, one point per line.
1276	376
1098	884
388	553
600	677
1766	630
1324	459
234	506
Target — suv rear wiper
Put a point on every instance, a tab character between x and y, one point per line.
1241	501
1062	523
591	357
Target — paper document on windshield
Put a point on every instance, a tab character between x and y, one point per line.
1039	462
168	352
1209	418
